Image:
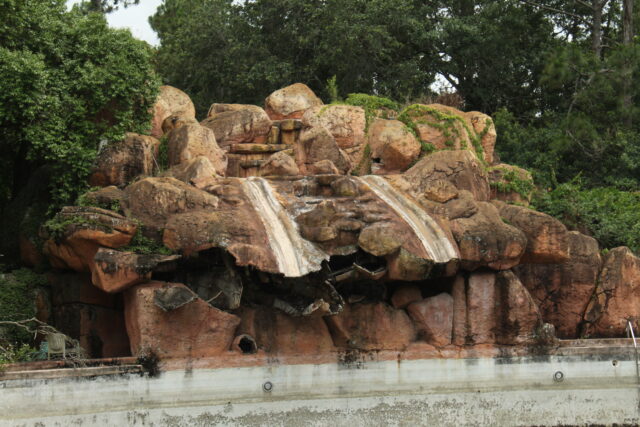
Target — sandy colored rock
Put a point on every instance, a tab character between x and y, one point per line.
485	129
154	200
616	299
192	331
316	145
175	122
405	266
191	141
433	318
291	102
461	168
324	167
344	122
217	108
563	291
511	184
441	191
405	295
392	143
483	238
121	161
279	164
86	229
170	102
374	326
278	333
239	126
198	171
380	239
547	238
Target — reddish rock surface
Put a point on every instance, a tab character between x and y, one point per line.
392	143
191	141
193	330
405	295
547	238
374	326
279	164
197	172
485	129
563	291
239	126
344	122
433	318
461	168
616	299
119	162
291	102
316	145
170	102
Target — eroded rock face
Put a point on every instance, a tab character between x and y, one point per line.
171	102
119	162
616	299
189	142
291	102
392	143
247	124
547	238
279	164
317	145
434	319
191	331
563	291
344	122
461	168
197	172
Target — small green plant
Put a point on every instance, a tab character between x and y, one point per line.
162	162
372	105
511	181
140	244
17	295
58	226
332	90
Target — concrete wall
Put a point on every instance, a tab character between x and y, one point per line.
600	389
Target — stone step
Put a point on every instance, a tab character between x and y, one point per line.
257	148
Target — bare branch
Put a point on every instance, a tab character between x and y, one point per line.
560	11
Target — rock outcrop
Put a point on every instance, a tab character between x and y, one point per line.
291	102
171	102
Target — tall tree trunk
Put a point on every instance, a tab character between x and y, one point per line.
627	41
596	32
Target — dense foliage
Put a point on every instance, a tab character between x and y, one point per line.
67	82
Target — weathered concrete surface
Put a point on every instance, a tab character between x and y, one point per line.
598	390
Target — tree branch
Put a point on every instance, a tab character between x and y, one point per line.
560	11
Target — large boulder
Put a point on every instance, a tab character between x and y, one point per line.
279	164
170	102
79	233
493	308
434	319
616	299
119	162
393	144
461	168
483	238
248	124
547	238
291	102
154	200
485	129
191	141
346	123
191	330
278	333
563	291
317	144
198	172
375	326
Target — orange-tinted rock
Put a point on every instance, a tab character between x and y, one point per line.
119	162
459	295
291	102
344	122
175	122
617	297
499	310
217	108
193	330
87	230
393	143
547	238
279	164
197	172
485	129
461	168
563	291
239	126
323	167
115	271
191	141
318	144
405	295
170	102
380	239
110	197
511	184
433	318
278	333
154	200
30	253
375	326
483	238
441	191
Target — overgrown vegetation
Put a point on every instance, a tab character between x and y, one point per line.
141	244
511	181
374	106
17	302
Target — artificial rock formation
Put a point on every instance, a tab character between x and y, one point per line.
298	230
171	102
